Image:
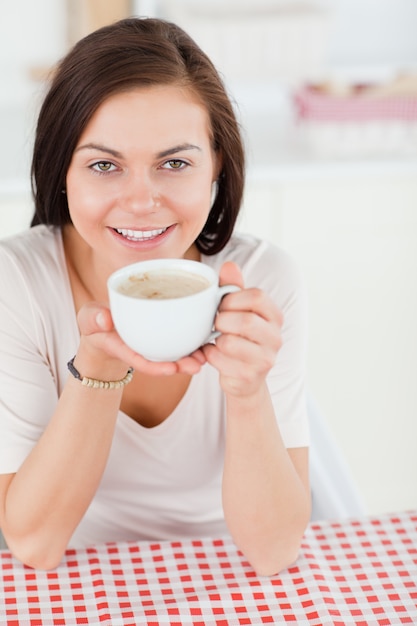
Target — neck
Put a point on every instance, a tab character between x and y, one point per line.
86	283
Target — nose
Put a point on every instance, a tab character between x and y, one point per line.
139	194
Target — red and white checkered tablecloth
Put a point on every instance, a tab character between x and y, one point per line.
356	572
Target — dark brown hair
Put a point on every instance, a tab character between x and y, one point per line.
132	53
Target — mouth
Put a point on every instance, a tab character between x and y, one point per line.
140	235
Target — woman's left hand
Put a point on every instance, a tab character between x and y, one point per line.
250	324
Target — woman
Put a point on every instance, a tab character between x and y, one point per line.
137	156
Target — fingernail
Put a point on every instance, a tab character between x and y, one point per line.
100	320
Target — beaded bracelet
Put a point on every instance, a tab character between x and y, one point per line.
99	384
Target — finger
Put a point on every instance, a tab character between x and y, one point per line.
96	326
94	317
189	365
241	350
256	301
251	327
198	355
112	344
230	274
245	372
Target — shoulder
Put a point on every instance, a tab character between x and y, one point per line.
263	264
36	301
33	254
33	280
38	242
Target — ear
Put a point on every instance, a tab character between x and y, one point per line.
214	189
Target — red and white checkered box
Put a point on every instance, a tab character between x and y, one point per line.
357	123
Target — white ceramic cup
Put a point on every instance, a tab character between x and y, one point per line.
166	329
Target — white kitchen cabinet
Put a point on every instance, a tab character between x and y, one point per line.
352	227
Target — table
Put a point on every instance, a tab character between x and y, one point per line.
361	571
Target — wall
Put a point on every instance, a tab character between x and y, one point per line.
26	52
32	35
373	33
355	236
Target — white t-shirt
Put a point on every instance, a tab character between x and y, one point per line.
162	482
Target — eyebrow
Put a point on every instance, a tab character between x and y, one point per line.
118	155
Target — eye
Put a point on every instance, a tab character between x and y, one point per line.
174	164
102	167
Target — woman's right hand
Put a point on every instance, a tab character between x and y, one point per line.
104	355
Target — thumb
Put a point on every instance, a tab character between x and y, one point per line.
94	317
230	274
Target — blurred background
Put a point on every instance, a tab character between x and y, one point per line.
326	92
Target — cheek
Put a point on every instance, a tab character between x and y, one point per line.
196	199
86	215
79	205
195	209
84	203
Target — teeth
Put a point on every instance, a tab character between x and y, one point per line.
140	235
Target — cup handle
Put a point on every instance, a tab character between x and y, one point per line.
222	291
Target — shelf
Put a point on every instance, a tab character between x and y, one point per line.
276	152
283	170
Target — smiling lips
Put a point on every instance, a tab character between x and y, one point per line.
140	235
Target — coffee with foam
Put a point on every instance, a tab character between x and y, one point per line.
163	284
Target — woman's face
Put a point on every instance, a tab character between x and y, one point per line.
139	182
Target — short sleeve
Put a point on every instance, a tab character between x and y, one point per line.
29	346
286	380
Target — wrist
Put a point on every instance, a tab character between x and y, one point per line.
247	405
94	363
87	381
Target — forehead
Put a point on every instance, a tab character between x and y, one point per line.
160	108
